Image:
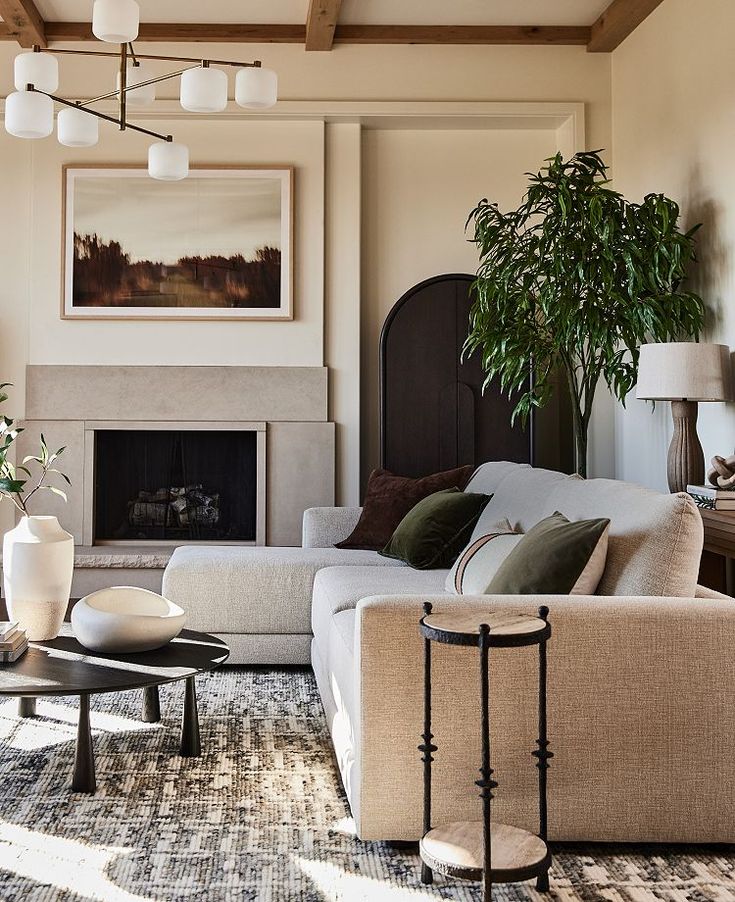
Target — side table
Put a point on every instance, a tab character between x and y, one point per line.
483	850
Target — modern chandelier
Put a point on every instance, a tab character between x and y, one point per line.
29	111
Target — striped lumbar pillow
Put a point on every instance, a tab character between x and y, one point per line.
479	562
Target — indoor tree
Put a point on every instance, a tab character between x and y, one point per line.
576	279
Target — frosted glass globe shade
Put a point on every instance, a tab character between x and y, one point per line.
75	128
29	115
256	88
204	90
115	21
38	69
139	96
168	161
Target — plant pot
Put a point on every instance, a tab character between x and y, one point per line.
38	564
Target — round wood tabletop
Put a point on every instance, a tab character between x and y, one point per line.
456	850
506	629
62	666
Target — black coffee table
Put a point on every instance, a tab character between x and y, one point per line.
64	667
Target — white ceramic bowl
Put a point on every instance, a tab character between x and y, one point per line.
126	619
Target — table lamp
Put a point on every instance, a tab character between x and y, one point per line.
684	372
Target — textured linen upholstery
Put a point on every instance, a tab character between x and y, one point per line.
640	719
488	476
655	540
339	589
252	591
323	527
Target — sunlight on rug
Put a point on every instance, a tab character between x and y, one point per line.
260	817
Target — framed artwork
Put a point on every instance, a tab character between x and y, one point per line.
216	245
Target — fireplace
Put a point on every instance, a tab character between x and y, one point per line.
175	485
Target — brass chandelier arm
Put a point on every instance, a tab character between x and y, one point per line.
118	122
138	84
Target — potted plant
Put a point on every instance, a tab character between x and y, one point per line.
576	279
38	555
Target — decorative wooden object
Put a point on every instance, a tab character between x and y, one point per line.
434	414
722	472
685	463
482	850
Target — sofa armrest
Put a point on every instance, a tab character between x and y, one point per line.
639	693
325	526
704	592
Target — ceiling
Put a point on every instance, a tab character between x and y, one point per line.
321	25
353	12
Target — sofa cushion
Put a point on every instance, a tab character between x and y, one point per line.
341	588
488	476
522	497
478	563
388	498
433	533
235	589
557	556
655	540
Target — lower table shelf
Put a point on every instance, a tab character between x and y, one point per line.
455	850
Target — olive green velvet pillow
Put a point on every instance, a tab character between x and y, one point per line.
557	556
435	530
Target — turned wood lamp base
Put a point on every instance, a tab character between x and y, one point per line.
686	458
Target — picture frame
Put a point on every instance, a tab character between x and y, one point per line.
217	245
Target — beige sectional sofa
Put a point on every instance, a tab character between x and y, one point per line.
641	675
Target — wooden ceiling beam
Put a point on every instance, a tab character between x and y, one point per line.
190	33
344	34
22	22
619	20
321	22
461	34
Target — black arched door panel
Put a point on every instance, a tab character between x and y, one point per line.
434	415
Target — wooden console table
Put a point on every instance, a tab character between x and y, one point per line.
716	569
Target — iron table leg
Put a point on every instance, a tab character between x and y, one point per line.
486	782
190	744
151	705
427	747
84	777
542	753
26	707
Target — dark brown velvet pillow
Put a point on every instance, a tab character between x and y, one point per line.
388	498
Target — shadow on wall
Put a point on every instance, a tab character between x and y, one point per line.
710	277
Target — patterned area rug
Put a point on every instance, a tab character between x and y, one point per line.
260	816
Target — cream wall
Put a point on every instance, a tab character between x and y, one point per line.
330	160
419	187
674	132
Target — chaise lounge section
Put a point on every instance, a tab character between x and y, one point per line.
641	675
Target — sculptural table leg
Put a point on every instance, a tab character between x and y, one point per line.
190	744
26	707
151	705
84	779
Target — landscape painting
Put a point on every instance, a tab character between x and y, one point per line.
216	245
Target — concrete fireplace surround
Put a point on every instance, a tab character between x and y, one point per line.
287	406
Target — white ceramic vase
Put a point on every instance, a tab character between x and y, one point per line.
38	564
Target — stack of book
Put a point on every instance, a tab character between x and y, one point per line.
13	642
711	498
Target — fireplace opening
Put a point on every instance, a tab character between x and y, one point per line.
174	486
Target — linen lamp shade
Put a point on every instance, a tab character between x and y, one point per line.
684	370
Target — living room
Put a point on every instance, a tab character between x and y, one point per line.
232	290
